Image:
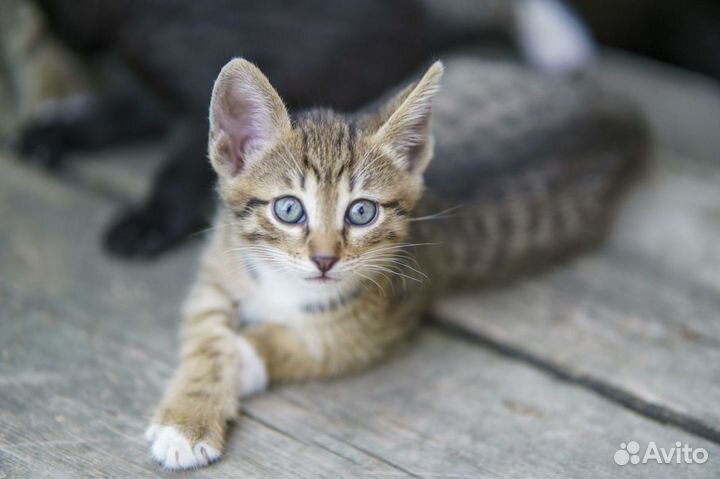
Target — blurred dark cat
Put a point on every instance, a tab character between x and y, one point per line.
335	54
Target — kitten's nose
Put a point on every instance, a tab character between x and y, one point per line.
324	263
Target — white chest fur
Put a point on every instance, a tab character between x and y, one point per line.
282	299
274	301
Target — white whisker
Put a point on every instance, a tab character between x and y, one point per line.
382	291
439	215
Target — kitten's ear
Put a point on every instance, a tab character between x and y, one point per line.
406	131
246	116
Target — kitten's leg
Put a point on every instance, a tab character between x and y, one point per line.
325	349
284	354
219	365
188	427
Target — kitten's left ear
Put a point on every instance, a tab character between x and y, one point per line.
246	116
406	133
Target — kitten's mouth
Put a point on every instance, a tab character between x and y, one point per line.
321	279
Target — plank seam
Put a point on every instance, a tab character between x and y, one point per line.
602	388
273	427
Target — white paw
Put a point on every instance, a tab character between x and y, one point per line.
252	373
174	451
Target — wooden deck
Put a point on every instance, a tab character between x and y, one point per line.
544	378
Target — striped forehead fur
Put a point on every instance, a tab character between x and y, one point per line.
332	148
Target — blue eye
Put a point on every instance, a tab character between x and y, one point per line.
361	212
288	209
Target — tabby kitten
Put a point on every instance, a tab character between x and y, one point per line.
316	267
297	280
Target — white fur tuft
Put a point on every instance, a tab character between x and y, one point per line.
552	37
252	374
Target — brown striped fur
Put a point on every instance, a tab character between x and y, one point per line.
254	315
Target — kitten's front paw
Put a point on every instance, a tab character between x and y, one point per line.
173	450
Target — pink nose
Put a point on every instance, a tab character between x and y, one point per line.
324	263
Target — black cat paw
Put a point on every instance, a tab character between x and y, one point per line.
148	231
55	129
43	143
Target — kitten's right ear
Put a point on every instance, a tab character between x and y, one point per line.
405	123
246	117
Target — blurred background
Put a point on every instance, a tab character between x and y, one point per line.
685	34
80	76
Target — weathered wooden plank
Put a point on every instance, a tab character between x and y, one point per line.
49	249
438	408
672	218
642	312
442	408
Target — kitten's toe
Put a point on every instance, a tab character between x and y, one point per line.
174	451
208	453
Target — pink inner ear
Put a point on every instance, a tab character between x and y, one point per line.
243	117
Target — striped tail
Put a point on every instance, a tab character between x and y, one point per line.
526	169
